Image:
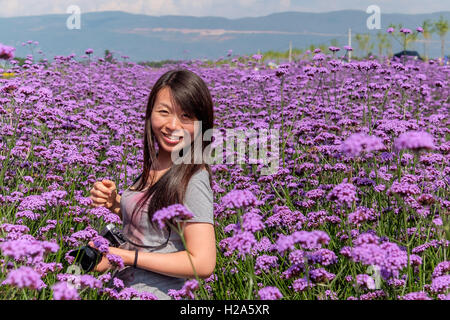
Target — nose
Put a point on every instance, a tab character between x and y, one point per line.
173	124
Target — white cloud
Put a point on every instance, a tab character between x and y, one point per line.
247	3
285	3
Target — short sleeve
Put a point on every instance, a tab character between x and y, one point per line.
199	198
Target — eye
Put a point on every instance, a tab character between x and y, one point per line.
163	111
187	116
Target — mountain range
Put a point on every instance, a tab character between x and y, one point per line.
155	38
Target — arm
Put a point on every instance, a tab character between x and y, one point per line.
200	242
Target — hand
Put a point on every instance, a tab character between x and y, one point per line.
104	264
104	193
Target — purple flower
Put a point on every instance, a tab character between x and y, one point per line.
106	215
101	244
390	30
115	260
315	194
89	281
348	48
419	29
441	269
28	250
257	57
239	199
187	291
270	293
361	215
64	291
366	238
414	140
252	222
440	284
118	283
415	296
297	257
127	294
89	51
33	202
147	296
365	281
282	215
328	295
308	240
319	57
333	49
372	295
437	221
175	211
361	142
405	30
343	193
388	256
28	214
6	52
25	277
265	263
242	242
321	275
404	188
300	285
323	256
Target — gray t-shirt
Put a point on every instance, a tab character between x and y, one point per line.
198	200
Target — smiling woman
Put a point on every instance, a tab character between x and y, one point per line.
157	260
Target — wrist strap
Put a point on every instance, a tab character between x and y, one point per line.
135	258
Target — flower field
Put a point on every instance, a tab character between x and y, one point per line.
358	209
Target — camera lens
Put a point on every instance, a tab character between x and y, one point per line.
87	257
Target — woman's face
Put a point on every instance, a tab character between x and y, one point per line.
170	124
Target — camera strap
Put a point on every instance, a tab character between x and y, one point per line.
148	247
143	246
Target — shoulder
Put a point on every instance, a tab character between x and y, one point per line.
199	197
200	175
200	179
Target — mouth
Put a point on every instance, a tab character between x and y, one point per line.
172	139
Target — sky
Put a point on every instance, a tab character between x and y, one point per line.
225	8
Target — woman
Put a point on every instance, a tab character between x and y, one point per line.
156	260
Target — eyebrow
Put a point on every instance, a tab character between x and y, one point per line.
165	105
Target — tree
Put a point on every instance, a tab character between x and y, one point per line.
108	55
383	42
427	27
441	28
403	36
364	44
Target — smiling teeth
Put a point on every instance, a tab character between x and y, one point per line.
173	138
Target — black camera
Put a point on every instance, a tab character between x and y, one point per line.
88	257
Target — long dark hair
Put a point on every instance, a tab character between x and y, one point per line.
190	92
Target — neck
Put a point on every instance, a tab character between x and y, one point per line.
163	160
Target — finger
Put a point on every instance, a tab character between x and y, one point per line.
108	183
100	194
103	189
96	204
100	201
